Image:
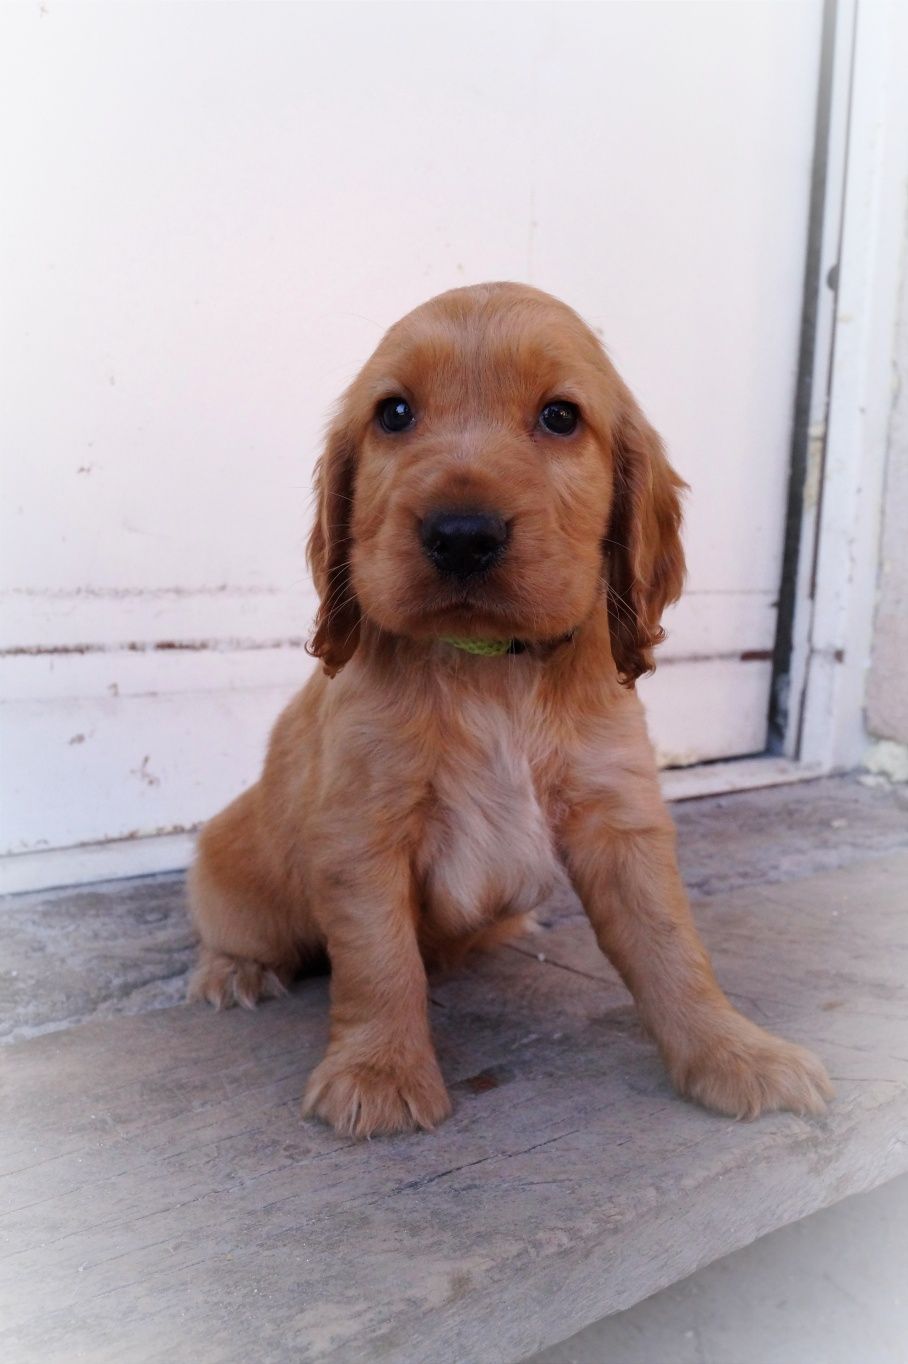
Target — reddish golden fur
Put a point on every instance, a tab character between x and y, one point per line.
417	801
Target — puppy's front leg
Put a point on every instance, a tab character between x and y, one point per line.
380	1073
620	852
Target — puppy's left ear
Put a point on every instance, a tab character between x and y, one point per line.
643	553
337	622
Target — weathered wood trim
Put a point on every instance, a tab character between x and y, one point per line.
162	1198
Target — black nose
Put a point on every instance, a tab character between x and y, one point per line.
461	543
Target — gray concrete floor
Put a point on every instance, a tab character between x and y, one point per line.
831	1289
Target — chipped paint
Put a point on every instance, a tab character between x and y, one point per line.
737	656
220	646
137	593
816	443
144	773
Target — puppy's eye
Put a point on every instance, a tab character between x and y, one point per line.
395	414
560	417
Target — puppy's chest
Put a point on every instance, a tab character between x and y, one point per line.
488	847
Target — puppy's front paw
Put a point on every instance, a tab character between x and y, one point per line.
743	1071
223	981
361	1099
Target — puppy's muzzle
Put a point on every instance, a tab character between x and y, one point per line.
460	544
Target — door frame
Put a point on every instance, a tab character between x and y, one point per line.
855	257
860	259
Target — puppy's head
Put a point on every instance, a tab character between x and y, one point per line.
489	475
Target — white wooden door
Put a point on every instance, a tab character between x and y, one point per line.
211	213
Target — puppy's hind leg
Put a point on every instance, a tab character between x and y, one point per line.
223	980
255	933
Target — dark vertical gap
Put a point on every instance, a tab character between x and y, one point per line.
779	699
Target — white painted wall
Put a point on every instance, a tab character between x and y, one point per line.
211	212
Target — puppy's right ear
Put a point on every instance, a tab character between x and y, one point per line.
337	621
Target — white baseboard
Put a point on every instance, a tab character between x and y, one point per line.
740	774
95	862
119	858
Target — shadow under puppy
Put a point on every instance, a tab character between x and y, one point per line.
497	536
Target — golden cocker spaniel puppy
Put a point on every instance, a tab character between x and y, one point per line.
497	535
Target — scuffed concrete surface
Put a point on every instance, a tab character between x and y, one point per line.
69	955
123	947
786	832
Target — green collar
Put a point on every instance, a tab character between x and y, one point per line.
488	648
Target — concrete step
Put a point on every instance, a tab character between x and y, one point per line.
163	1199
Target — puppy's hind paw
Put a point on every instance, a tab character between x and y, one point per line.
223	981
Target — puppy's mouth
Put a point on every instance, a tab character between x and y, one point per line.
479	605
476	597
